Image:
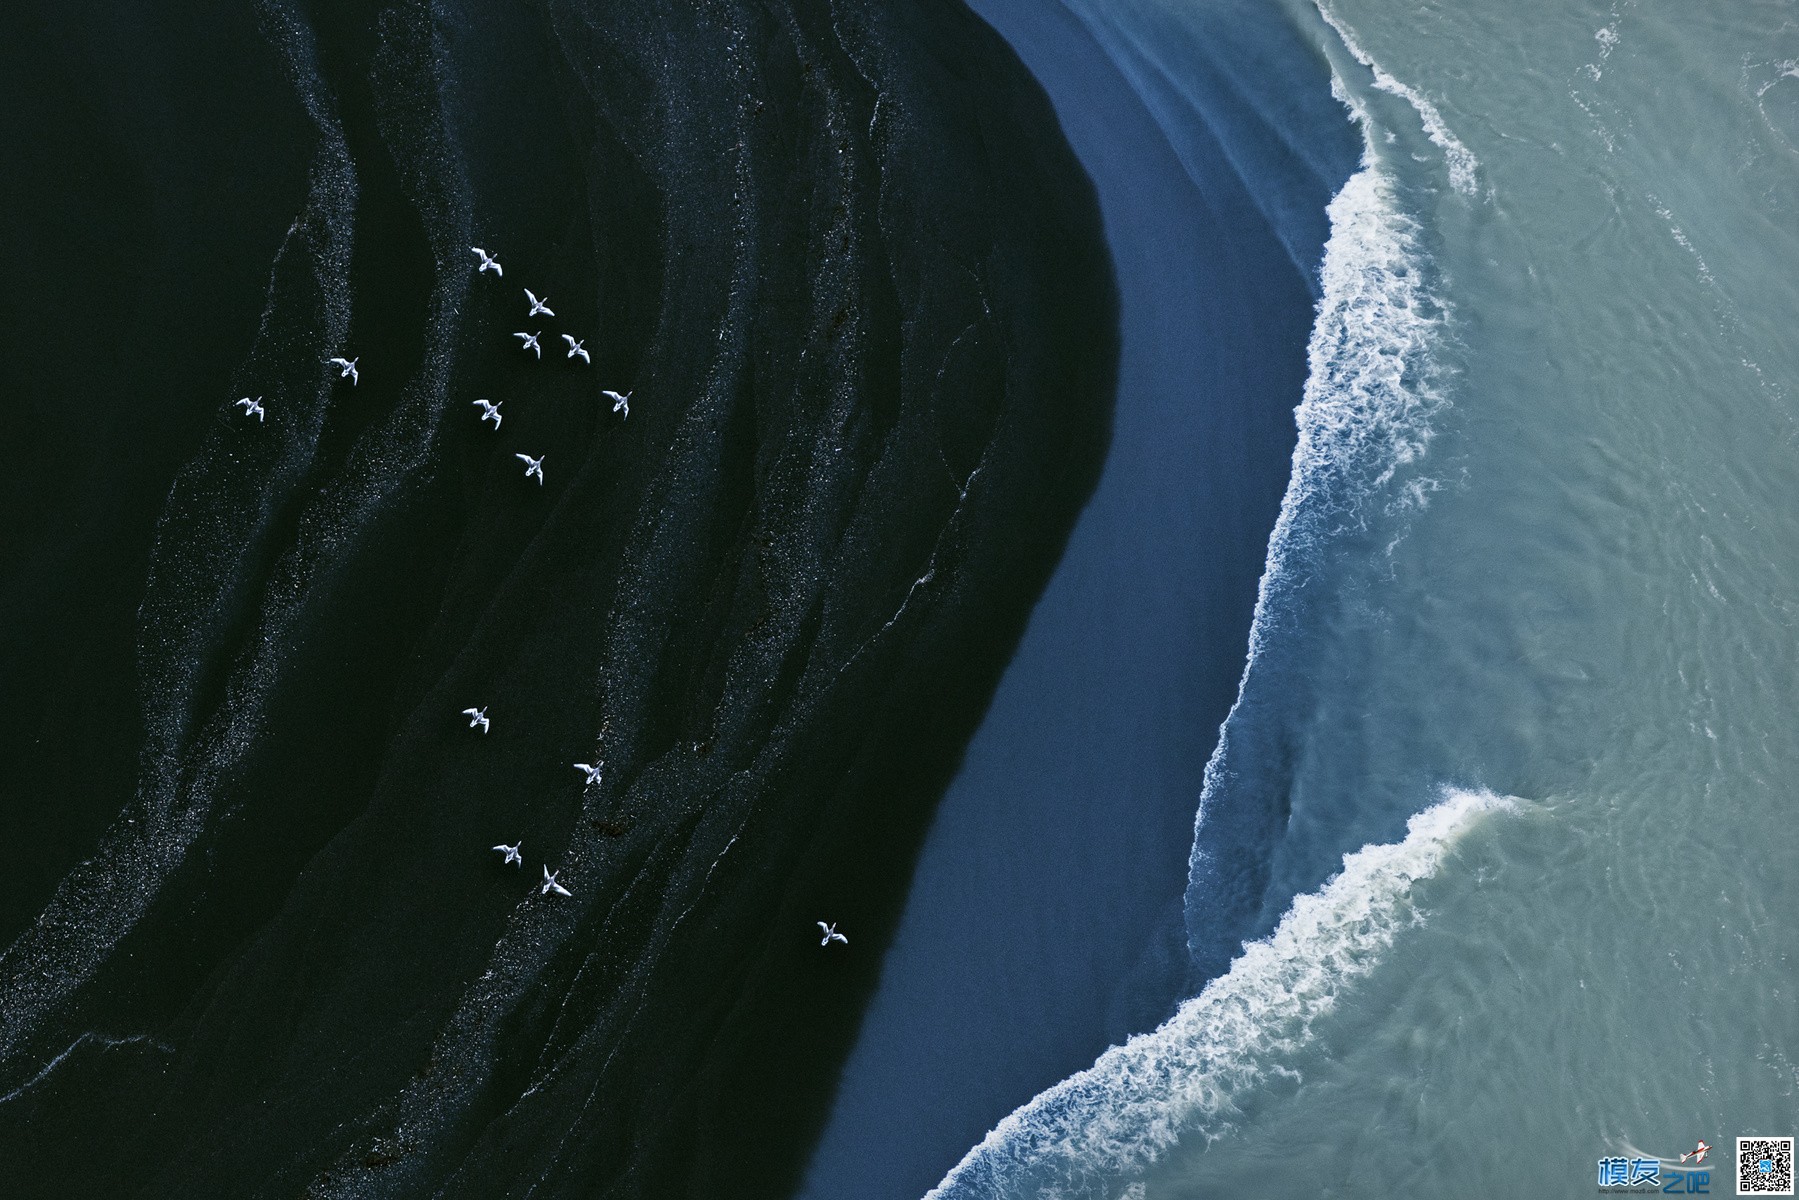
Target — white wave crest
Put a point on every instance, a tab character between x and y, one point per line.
1463	166
1372	381
1096	1130
1371	389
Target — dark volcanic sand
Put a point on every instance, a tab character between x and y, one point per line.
855	278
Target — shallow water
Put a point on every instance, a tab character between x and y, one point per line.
1044	919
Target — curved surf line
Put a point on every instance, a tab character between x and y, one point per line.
1097	1129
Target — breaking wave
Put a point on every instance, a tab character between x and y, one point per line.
1096	1131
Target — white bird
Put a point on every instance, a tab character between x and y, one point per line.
477	718
490	411
538	306
831	934
346	368
513	857
574	349
530	343
488	263
252	408
619	403
533	466
550	884
592	772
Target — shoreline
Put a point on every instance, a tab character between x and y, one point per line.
1045	919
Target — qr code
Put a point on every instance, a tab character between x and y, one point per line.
1764	1166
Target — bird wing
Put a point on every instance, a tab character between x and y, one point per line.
560	890
524	458
471	712
569	340
823	928
526	337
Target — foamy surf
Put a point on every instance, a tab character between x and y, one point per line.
1098	1130
1460	160
1364	422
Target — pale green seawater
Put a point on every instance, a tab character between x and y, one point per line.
1543	590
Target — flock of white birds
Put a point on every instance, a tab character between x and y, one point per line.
490	411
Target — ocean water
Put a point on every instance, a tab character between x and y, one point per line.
1493	868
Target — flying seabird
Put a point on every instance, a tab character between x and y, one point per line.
488	263
513	857
592	772
539	306
346	368
252	408
831	934
490	411
574	349
530	343
550	884
533	466
477	718
619	403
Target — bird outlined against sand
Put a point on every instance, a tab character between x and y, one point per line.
830	934
513	857
533	466
592	771
550	884
490	411
488	263
539	306
530	343
477	718
346	368
575	349
252	408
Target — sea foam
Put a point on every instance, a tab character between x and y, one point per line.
1460	160
1364	419
1094	1132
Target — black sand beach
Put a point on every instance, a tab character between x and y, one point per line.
854	280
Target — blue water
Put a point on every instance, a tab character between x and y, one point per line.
1045	918
1492	870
